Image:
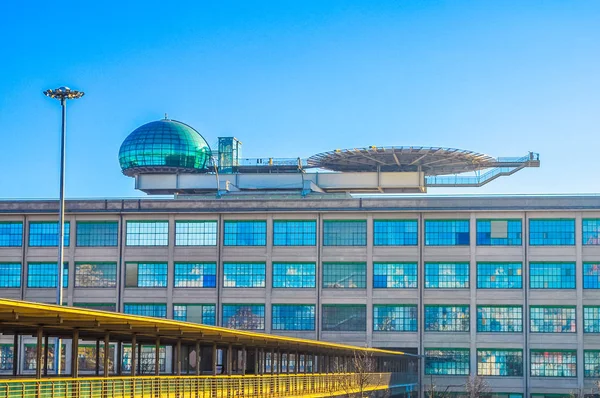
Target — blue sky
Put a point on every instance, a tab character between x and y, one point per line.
294	78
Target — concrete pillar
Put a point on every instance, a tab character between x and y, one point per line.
74	354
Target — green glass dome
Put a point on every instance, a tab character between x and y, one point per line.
164	146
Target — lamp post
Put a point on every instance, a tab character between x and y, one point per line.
63	94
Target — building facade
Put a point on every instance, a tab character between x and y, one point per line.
504	287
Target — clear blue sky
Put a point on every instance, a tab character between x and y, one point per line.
293	78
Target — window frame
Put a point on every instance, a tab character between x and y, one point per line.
189	235
531	363
591	323
506	269
8	276
467	361
237	242
361	280
408	277
339	240
65	277
176	274
439	275
287	233
454	320
262	317
508	307
92	222
307	319
478	241
561	278
66	234
500	350
586	363
9	236
149	305
584	238
202	305
548	307
544	240
444	242
157	235
251	277
109	286
404	320
355	306
404	234
275	277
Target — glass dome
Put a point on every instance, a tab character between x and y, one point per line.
164	146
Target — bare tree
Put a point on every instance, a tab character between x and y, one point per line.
432	390
477	387
357	378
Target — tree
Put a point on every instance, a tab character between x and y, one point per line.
432	390
477	387
358	378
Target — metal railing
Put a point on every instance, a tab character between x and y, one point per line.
281	385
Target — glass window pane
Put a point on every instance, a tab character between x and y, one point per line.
154	310
197	313
43	275
591	363
195	233
345	275
499	276
394	318
294	275
202	275
552	275
293	317
344	318
10	275
546	319
447	361
500	363
395	232
494	319
11	234
395	275
547	232
294	233
499	233
591	319
591	275
45	233
95	274
151	274
244	316
344	233
147	233
553	363
6	356
97	233
147	359
447	318
591	231
446	275
245	233
447	233
244	274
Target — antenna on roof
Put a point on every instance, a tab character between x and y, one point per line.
166	116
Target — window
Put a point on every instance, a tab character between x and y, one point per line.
591	363
553	363
500	362
294	275
591	275
293	317
546	232
97	233
395	275
446	275
146	275
591	231
447	233
95	274
11	234
499	276
87	357
195	233
6	356
591	319
395	232
294	233
10	275
394	318
155	310
545	319
31	358
499	233
344	233
243	274
244	316
195	275
494	319
147	360
97	306
344	318
245	233
43	275
147	233
45	233
447	318
552	275
345	275
447	361
197	313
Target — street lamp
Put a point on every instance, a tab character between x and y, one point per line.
63	94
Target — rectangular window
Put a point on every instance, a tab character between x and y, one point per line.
500	362
553	363
447	233
45	233
97	306
591	363
499	319
394	318
195	233
31	358
447	318
203	275
6	356
97	233
245	233
395	275
547	232
344	233
147	233
499	233
244	316
546	319
154	310
395	232
196	313
499	276
43	275
146	275
552	275
294	233
591	319
10	275
294	275
293	317
11	234
591	275
591	231
446	275
244	274
87	357
147	360
344	318
345	275
95	274
447	361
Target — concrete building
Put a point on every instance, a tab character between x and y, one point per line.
505	287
